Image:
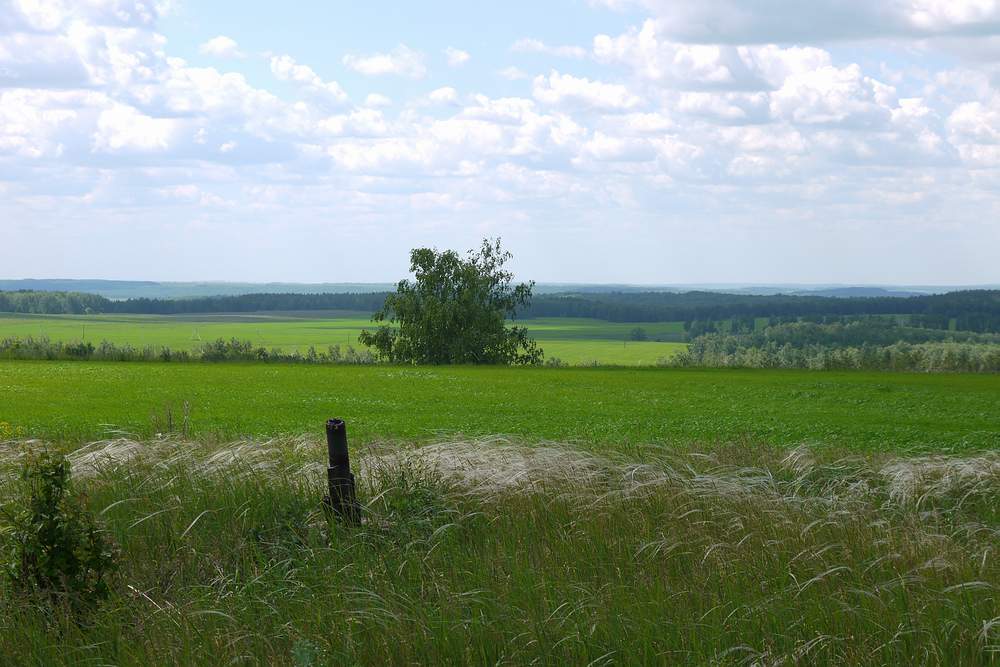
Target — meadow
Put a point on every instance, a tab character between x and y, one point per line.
572	340
492	551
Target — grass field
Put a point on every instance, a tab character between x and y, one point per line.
573	340
624	516
622	408
490	552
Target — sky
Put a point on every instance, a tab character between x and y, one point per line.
624	141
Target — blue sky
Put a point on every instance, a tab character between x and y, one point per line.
320	33
642	141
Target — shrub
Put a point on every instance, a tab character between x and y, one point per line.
214	351
54	546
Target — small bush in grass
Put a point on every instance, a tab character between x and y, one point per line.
409	500
305	653
53	545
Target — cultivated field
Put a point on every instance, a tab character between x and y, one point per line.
572	340
597	408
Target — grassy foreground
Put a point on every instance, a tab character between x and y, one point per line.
492	553
571	339
622	409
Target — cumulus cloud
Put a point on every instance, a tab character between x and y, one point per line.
51	15
831	96
726	107
445	95
285	68
607	148
124	128
401	61
705	66
221	47
974	130
456	57
565	89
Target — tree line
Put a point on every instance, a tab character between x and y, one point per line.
52	303
74	303
971	310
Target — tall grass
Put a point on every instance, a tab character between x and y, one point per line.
494	552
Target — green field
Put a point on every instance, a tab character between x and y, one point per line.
572	340
622	408
548	516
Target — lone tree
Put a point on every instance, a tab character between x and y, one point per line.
455	312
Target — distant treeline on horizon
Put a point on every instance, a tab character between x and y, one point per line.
970	310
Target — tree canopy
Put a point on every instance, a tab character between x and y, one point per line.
455	311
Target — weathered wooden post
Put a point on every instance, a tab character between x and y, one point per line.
341	499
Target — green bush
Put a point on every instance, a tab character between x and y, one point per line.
54	546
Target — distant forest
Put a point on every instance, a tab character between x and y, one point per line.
78	303
971	310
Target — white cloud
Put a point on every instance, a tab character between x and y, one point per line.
528	45
831	95
564	89
974	122
659	60
33	123
221	47
51	15
644	123
740	108
33	60
704	66
357	123
767	21
606	148
974	129
456	57
376	100
445	95
285	68
123	128
401	61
